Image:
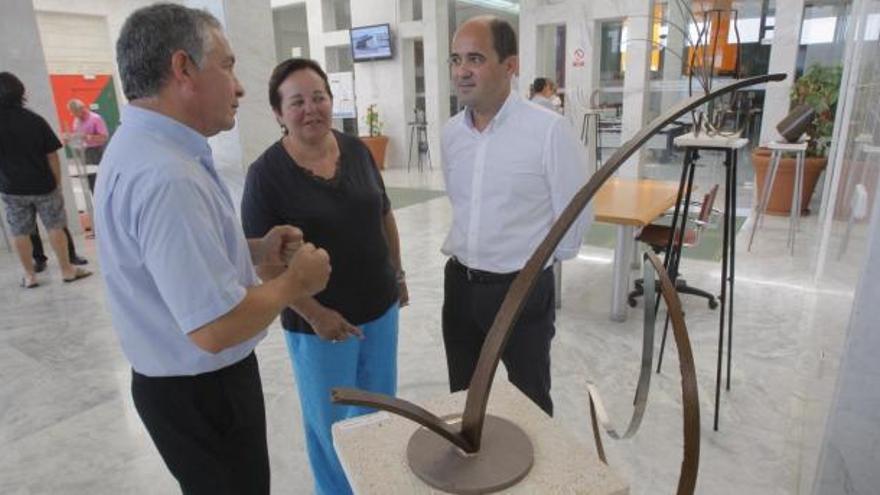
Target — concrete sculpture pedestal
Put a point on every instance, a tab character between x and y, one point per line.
373	448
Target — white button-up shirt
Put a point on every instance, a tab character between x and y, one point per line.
509	183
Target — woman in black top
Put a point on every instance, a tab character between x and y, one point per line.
326	184
30	176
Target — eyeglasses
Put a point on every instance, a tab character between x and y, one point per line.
471	60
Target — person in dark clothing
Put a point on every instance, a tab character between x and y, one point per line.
326	184
30	176
39	254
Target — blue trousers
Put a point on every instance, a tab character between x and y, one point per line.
319	366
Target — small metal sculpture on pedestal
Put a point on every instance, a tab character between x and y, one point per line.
461	449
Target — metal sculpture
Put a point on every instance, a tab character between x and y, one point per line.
687	479
464	447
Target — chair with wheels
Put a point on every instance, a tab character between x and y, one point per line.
657	236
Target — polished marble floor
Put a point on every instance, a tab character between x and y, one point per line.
67	424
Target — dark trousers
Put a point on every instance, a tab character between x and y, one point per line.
470	303
210	429
93	156
39	253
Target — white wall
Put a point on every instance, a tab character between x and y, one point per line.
76	43
291	30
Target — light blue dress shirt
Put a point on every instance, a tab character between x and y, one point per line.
170	246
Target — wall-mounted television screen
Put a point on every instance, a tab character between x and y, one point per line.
371	43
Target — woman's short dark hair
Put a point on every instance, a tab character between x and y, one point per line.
539	84
11	91
285	69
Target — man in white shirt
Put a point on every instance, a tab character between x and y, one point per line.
510	169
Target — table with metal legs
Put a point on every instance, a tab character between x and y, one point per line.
590	127
418	136
730	146
776	151
629	203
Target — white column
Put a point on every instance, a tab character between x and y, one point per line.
381	82
315	17
783	58
249	28
635	84
21	53
252	36
581	62
528	43
435	15
676	48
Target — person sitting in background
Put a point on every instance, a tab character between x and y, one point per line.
89	132
326	184
544	94
30	179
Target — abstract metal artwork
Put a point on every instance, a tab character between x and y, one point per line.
687	478
474	447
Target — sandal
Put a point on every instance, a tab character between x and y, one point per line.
28	284
79	274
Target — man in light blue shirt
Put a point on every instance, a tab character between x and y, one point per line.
183	294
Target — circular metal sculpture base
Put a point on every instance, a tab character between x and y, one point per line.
505	457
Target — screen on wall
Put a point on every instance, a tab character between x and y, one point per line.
371	43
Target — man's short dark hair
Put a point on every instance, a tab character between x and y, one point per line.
11	91
503	38
149	38
285	69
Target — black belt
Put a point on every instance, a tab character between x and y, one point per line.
482	277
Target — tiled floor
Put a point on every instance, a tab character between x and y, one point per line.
67	424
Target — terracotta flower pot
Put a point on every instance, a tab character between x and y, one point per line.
780	196
377	146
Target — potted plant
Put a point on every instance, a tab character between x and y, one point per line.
819	88
376	142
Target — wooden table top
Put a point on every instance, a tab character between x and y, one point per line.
635	202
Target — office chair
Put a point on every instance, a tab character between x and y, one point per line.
657	236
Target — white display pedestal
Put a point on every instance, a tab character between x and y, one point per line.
372	450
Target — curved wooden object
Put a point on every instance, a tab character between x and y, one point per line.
408	410
687	479
481	384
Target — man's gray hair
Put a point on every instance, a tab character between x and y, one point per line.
149	38
75	104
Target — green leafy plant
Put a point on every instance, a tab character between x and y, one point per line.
373	123
819	88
